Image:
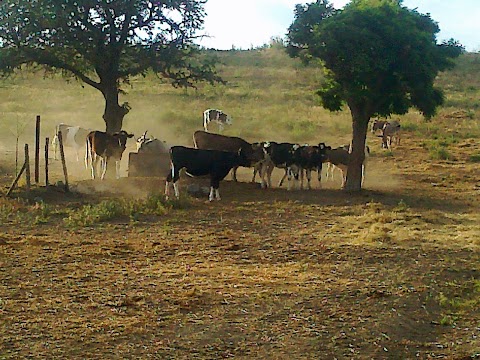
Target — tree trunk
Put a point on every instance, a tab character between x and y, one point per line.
114	113
354	174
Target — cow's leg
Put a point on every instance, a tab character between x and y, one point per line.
285	175
363	173
214	185
234	173
54	146
319	175
104	163
220	127
308	174
93	165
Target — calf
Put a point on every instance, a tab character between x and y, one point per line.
340	158
218	116
378	125
200	162
72	136
208	141
390	131
310	158
280	155
101	145
151	145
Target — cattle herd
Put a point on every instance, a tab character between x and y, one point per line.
215	155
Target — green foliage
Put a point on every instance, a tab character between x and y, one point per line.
382	57
122	208
104	43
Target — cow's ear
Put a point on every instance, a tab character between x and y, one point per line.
131	135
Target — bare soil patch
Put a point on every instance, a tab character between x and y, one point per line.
390	273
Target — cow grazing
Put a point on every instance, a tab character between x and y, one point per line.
390	131
280	155
208	141
106	147
200	162
151	145
72	136
217	116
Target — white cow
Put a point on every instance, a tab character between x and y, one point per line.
72	136
151	145
218	116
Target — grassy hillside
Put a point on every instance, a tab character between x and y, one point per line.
113	270
269	96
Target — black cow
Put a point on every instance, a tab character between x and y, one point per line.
208	141
101	145
199	162
310	158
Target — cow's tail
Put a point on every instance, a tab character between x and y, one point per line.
88	153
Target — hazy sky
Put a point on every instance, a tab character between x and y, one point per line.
251	23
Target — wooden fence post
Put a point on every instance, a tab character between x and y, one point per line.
47	140
14	183
27	167
62	155
37	149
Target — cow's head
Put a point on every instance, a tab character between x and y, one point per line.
142	139
121	137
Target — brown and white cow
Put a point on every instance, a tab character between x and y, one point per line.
72	136
105	147
217	116
340	158
208	141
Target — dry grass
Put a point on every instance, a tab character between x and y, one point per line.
391	273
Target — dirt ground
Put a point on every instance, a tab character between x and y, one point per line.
390	273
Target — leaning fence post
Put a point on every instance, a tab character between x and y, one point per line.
27	167
62	155
37	149
14	183
47	140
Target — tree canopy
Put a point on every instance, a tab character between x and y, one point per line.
380	58
104	43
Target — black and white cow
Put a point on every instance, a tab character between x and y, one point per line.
199	162
151	145
217	116
106	147
310	158
280	155
209	141
72	136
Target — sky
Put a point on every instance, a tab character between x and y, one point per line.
245	24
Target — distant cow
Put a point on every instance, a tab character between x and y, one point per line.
72	136
378	124
218	116
390	131
151	145
199	162
208	141
101	145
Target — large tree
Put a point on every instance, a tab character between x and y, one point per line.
380	58
103	43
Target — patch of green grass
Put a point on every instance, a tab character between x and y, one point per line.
122	208
474	157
